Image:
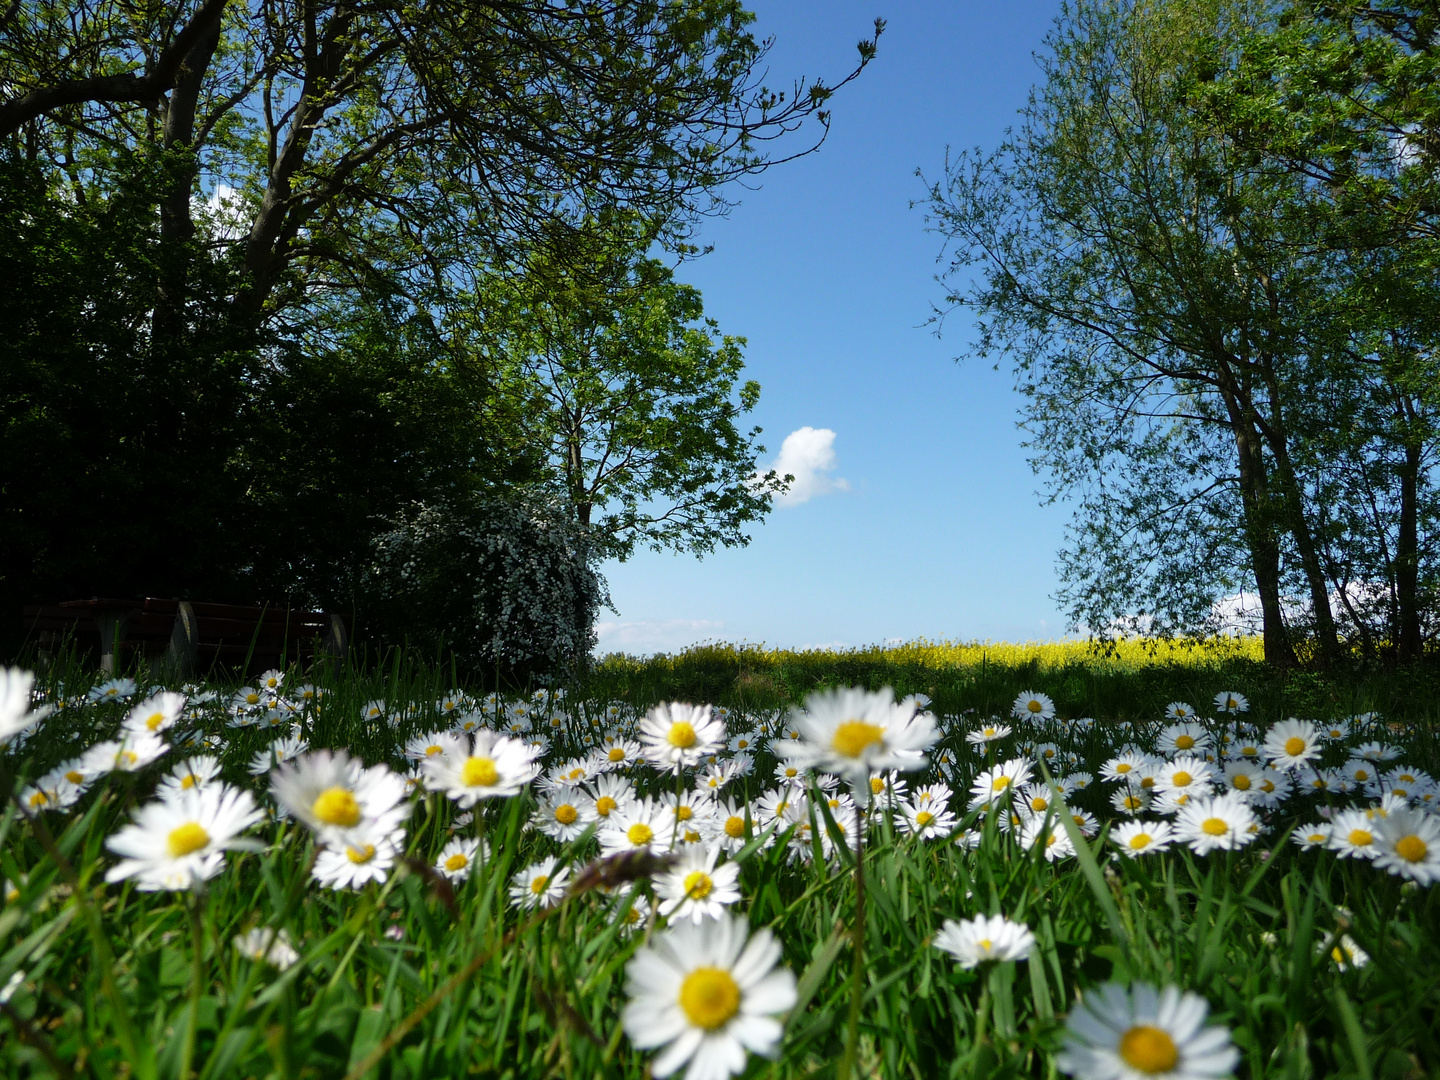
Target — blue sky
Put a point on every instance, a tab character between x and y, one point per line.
931	526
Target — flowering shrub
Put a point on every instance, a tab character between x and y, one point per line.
501	581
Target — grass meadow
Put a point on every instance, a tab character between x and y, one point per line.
300	952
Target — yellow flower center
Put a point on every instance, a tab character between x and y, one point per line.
1241	782
1140	841
1411	848
1214	826
709	997
1182	779
187	839
39	799
1123	767
1133	802
433	749
791	772
640	833
538	885
566	814
154	720
877	785
923	818
617	753
682	735
1034	706
1184	742
458	861
1362	775
361	855
1149	1050
684	813
735	826
604	805
1360	838
854	737
479	772
698	885
337	806
1294	746
1038	803
1000	783
1147	781
1267	786
75	776
252	698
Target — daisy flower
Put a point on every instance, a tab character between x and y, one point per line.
1215	822
458	858
114	690
678	736
1031	705
746	742
1346	953
366	856
610	793
617	752
1187	775
695	888
50	792
985	938
1049	835
1228	701
640	824
854	733
1311	835
1408	844
278	751
337	797
1352	835
539	885
1291	743
718	775
1136	838
1126	767
1130	801
1376	752
996	783
178	842
485	766
1182	738
265	946
632	910
987	734
1244	777
563	817
156	713
888	789
429	745
134	752
927	822
727	826
709	996
15	712
1120	1034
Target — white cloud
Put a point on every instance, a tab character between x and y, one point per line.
645	636
808	454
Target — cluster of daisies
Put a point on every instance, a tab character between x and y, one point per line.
703	989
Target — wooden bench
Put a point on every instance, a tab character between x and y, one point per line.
188	636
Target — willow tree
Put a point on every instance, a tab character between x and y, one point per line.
1140	270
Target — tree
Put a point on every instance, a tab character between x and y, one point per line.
1346	99
295	179
1145	275
630	394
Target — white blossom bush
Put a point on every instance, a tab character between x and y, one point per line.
500	581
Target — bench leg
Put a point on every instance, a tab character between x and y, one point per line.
112	632
184	642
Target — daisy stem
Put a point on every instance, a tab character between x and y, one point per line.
197	978
857	971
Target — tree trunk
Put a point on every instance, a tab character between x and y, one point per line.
1260	538
1407	542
